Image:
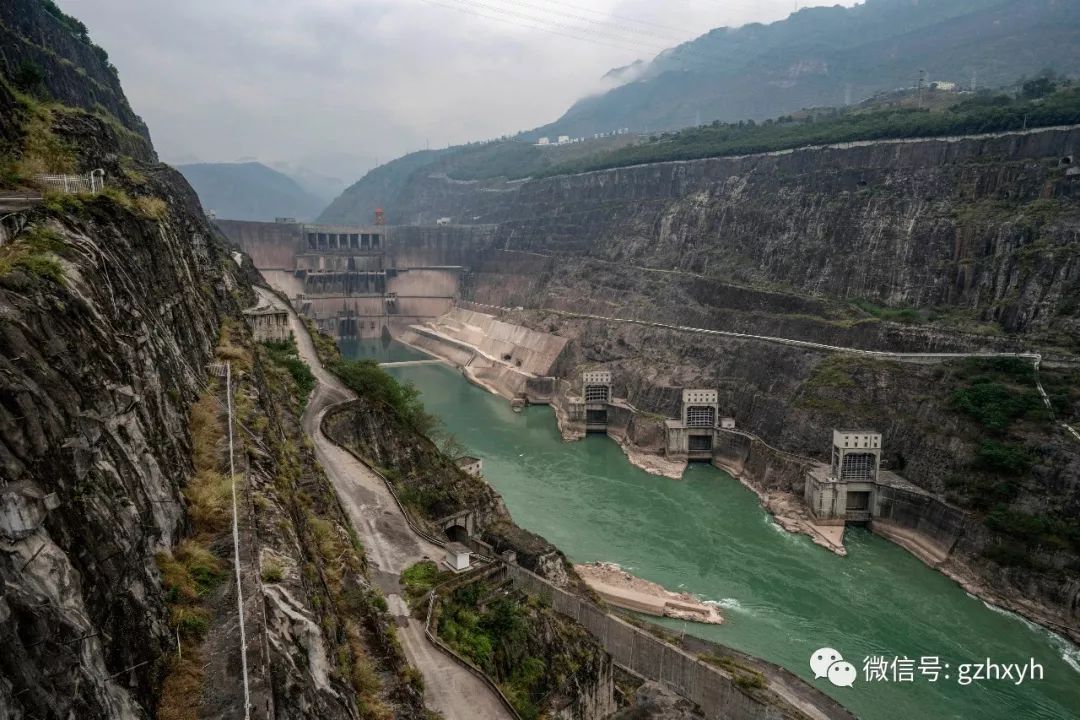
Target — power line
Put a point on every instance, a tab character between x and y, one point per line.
624	18
615	36
541	28
574	32
667	36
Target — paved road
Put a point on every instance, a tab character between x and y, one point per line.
389	543
411	363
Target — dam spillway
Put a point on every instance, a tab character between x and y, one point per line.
782	596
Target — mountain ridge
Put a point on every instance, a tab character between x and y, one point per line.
250	191
833	56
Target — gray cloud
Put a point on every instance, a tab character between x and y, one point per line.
336	84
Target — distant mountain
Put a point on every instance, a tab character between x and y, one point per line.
322	186
379	188
829	56
250	191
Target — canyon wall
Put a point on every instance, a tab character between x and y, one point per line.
982	229
943	245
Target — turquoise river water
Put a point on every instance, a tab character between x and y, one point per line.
782	596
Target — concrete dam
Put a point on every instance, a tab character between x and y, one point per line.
362	281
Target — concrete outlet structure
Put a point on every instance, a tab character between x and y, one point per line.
591	408
596	388
846	490
694	435
458	557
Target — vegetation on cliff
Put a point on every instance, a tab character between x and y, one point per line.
818	55
1042	105
989	411
538	657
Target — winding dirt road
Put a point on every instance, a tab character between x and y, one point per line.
389	542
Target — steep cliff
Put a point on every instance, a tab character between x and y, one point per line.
976	234
118	592
948	245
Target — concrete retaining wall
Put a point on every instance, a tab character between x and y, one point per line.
528	350
936	522
649	657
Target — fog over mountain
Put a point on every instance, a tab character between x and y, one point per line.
373	79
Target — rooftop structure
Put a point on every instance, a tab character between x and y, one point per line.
458	557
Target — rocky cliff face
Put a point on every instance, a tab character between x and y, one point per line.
109	317
942	245
116	541
46	53
981	230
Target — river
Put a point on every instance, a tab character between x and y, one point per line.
782	596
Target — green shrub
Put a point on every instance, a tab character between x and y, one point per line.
909	316
371	382
418	579
1003	458
29	78
996	405
287	356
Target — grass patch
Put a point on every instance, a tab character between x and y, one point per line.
35	252
150	207
43	152
181	693
908	316
272	571
188	574
744	676
418	579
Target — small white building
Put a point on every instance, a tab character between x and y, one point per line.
443	221
543	141
727	423
458	557
563	139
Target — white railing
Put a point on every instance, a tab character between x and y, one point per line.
92	182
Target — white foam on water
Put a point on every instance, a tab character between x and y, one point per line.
791	537
1069	653
727	604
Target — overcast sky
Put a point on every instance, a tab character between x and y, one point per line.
335	85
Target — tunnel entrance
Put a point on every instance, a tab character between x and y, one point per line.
596	417
457	533
700	443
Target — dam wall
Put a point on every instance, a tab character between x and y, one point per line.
358	281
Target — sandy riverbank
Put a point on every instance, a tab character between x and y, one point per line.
621	589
